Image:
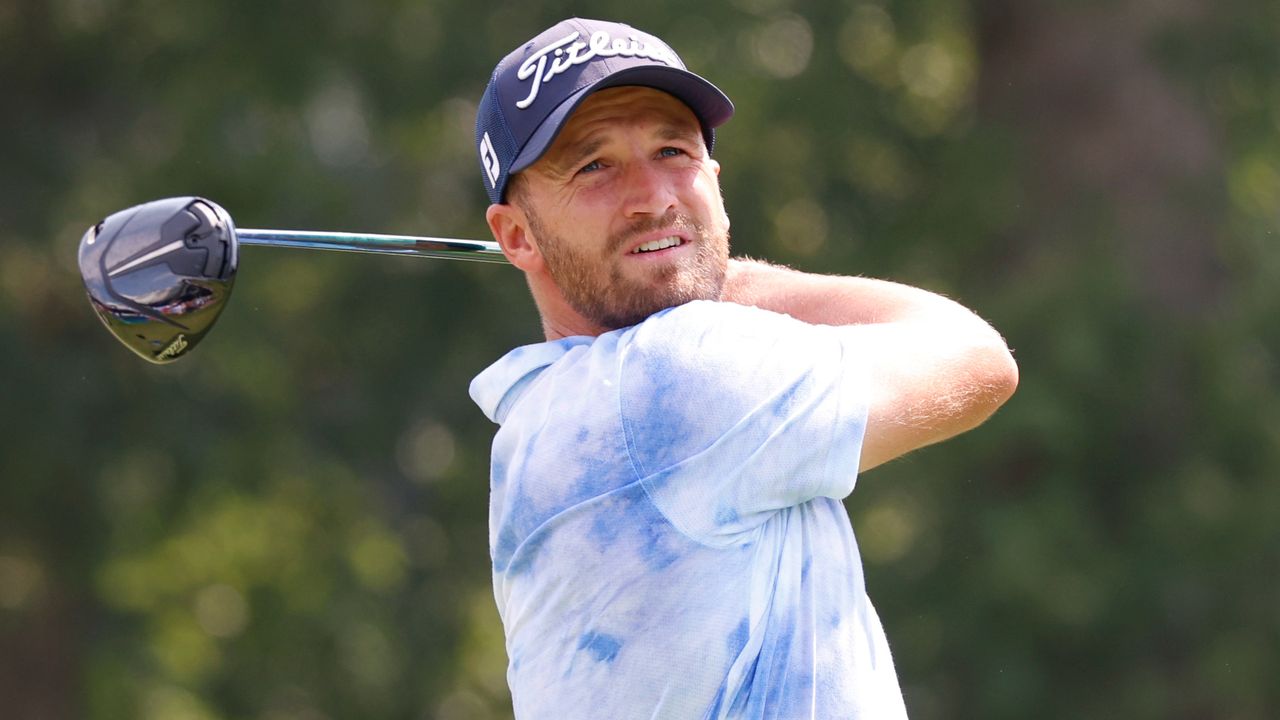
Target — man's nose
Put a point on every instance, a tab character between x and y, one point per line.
648	190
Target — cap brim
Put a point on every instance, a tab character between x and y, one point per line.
711	106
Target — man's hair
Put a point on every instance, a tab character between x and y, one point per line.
517	194
518	191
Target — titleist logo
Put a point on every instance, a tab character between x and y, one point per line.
174	349
569	51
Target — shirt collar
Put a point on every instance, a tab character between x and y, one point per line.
503	382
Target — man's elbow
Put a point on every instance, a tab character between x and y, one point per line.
996	379
1007	373
920	403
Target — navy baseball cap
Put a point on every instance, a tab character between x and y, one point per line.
535	89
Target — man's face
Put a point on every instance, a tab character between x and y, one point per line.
625	208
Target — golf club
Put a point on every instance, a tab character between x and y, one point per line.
159	273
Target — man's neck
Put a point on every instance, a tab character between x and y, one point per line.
559	319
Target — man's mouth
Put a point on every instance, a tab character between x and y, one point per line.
659	244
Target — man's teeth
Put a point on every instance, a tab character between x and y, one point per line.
661	244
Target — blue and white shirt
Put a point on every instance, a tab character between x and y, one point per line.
666	525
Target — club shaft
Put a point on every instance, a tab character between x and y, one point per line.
447	248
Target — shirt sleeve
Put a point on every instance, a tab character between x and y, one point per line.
731	413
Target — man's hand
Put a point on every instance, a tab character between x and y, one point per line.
935	368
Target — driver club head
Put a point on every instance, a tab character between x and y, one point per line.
159	273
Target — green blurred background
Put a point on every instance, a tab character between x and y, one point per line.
290	523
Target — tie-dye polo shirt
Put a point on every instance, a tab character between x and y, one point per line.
666	526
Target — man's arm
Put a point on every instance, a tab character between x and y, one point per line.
936	368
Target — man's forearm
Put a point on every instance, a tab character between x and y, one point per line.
833	299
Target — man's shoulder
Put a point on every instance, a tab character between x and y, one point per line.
701	317
700	346
713	325
698	311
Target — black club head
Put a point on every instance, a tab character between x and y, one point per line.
159	273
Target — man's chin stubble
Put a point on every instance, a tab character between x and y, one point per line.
705	283
599	303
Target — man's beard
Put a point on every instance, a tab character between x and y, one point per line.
596	288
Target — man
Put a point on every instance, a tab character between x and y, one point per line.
666	525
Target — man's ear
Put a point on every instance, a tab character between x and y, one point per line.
510	227
715	168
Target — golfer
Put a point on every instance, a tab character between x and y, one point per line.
666	525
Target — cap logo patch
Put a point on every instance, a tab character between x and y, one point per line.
489	159
568	51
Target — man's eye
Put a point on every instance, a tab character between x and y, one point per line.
670	152
590	167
